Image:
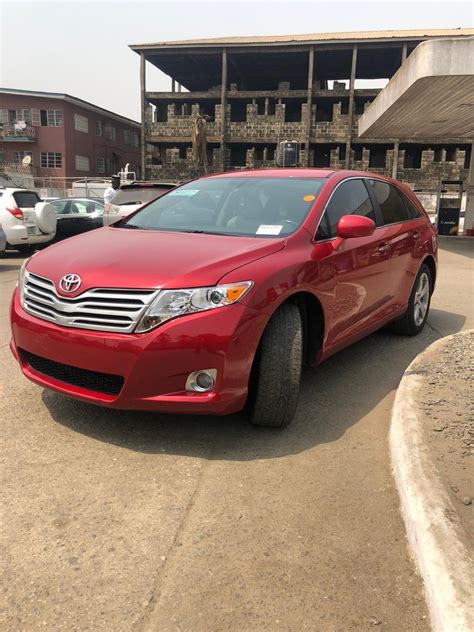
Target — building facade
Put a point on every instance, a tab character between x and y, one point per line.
65	137
257	91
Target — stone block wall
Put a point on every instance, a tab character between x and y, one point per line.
267	126
181	125
430	173
261	130
330	131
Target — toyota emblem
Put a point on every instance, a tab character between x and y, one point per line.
70	283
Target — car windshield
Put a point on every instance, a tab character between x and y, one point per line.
258	207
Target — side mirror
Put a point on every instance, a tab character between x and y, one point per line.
355	226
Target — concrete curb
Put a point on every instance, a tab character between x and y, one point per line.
443	561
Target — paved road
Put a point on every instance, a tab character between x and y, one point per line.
131	521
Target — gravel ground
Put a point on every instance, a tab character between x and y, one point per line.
448	414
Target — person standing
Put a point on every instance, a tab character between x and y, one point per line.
111	192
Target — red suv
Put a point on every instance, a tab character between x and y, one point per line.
210	298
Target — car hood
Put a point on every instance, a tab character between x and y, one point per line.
115	257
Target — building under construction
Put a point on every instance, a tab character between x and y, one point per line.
244	95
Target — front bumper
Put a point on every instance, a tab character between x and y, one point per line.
154	366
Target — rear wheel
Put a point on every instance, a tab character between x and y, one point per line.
418	308
276	375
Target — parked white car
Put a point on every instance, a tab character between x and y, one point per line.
26	220
131	196
3	240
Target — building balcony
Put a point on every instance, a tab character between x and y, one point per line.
15	134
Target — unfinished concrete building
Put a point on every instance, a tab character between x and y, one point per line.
257	91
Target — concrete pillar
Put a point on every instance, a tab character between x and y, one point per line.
309	103
396	147
397	142
173	85
143	113
223	104
351	107
469	217
404	52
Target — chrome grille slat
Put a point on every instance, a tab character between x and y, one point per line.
98	309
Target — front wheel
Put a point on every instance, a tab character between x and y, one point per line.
276	375
418	308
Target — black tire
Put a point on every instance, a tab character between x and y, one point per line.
276	375
411	322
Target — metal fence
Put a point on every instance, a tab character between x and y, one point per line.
71	187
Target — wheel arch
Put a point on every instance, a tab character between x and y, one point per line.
312	312
431	263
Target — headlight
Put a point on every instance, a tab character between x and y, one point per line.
172	303
21	279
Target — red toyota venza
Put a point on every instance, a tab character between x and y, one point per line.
211	298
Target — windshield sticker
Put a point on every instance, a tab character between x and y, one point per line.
309	198
184	192
269	229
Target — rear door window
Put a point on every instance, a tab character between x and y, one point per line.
26	199
391	203
349	198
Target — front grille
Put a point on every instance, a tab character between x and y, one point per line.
100	309
83	378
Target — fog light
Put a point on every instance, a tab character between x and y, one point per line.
201	381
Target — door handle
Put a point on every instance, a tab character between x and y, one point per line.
383	248
416	234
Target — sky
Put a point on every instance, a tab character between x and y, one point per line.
81	48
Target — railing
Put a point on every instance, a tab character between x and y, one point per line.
16	134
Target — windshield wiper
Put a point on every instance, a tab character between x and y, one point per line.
132	227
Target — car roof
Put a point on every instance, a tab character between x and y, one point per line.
17	190
77	199
147	185
295	172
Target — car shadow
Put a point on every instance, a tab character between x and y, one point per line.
8	268
333	397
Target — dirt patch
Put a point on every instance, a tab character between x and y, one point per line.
447	406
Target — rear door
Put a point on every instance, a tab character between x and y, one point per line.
358	267
402	225
26	202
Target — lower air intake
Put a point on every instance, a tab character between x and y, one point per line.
83	378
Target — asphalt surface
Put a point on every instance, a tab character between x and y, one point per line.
131	521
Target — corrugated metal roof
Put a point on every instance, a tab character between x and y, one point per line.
313	37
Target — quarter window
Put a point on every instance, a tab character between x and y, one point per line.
350	198
390	200
413	212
